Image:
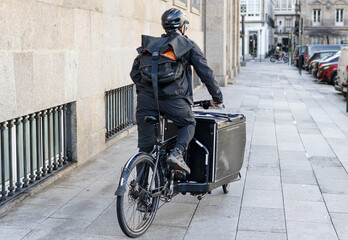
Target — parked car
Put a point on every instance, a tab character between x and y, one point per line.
317	63
299	53
311	49
318	56
342	71
328	72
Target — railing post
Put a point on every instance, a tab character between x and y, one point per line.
65	157
38	146
43	124
25	169
31	126
55	164
3	177
10	165
18	183
60	161
49	142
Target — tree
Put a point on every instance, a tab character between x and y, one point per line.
324	33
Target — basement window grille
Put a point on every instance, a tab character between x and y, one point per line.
119	110
32	147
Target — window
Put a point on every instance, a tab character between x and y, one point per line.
285	5
339	17
243	6
316	16
253	8
196	6
180	3
338	40
288	23
315	40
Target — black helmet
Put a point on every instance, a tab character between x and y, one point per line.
173	19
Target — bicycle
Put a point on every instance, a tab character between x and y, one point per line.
146	178
280	57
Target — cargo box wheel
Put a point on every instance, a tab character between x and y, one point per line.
226	188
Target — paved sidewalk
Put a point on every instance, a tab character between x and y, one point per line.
294	181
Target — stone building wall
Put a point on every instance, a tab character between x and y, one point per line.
327	24
59	51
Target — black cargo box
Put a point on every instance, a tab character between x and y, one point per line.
216	153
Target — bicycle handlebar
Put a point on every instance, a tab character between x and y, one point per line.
205	104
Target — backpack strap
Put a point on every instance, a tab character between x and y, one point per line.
154	70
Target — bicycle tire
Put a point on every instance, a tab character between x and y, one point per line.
286	59
272	59
138	222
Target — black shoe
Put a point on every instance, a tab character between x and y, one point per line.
176	161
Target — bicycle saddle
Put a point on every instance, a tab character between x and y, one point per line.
151	119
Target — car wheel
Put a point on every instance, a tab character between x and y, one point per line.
332	79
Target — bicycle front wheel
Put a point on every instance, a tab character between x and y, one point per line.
286	59
136	208
272	59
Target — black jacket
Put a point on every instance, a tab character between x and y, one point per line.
181	88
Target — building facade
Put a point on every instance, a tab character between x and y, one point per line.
285	19
66	93
324	21
259	24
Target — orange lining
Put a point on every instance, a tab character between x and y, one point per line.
169	54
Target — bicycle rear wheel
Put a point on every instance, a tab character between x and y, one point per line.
136	209
272	59
286	59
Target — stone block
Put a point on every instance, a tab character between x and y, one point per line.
24	76
111	8
10	26
259	182
112	32
65	28
272	220
82	29
250	235
41	30
217	227
302	192
339	220
336	202
48	87
310	231
70	76
97	30
82	209
90	5
87	85
262	199
90	121
8	87
306	211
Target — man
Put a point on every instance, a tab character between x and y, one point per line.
175	98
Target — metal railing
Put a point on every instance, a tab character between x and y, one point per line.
119	110
32	147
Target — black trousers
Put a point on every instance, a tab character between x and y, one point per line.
178	110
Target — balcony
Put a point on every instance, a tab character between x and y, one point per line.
283	30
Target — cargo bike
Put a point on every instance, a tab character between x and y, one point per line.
215	156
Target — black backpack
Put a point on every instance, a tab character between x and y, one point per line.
166	54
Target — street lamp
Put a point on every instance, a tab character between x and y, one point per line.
297	7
